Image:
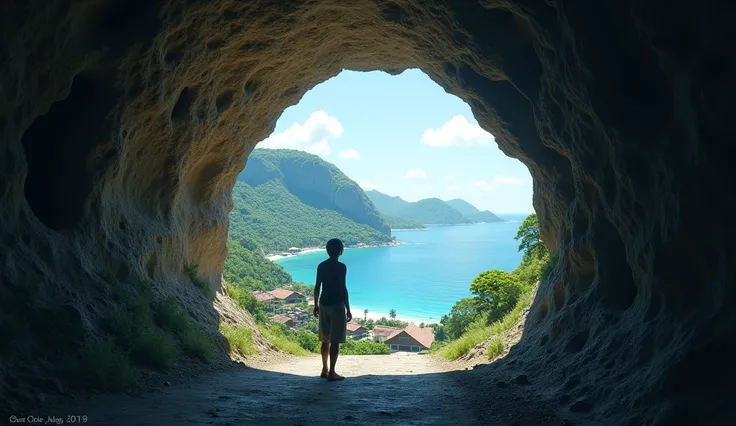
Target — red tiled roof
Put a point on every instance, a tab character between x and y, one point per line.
353	327
425	335
384	330
262	297
281	318
281	293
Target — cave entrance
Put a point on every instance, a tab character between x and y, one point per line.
376	159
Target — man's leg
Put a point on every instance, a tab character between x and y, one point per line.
334	352
325	353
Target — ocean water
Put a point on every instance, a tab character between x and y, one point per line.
426	275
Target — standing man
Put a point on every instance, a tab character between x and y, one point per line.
333	309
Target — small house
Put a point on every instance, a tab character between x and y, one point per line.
381	332
281	319
411	339
294	250
265	298
288	296
356	331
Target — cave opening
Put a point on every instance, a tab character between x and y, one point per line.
617	109
375	159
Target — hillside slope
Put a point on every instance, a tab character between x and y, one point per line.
387	204
270	218
403	214
433	211
315	182
471	212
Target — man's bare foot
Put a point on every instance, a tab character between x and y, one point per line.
324	373
334	376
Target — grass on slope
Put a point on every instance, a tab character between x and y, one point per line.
471	338
281	341
271	218
240	338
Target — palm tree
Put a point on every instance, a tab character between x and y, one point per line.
365	315
392	313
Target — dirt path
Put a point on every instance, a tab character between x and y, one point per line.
397	389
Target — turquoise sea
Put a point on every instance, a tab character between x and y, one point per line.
426	275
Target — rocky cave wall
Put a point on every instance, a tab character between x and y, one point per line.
125	123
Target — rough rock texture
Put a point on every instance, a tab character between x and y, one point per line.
125	123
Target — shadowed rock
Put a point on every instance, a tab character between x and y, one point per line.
125	123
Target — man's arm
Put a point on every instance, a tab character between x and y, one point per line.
347	300
317	285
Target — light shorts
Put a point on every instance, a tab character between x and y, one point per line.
333	323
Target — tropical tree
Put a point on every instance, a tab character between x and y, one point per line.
528	235
496	292
462	314
392	314
365	315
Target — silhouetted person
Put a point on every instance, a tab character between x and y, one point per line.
333	308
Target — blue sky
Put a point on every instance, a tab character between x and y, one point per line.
403	135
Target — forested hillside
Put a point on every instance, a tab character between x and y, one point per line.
401	213
268	218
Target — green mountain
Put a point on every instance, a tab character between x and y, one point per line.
287	198
314	182
433	211
464	207
486	216
471	212
388	205
398	211
396	222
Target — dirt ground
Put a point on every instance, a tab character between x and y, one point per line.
397	389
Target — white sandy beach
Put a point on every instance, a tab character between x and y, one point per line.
358	313
313	249
303	251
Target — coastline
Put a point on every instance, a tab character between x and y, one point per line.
357	311
305	250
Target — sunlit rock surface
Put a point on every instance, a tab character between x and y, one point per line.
125	123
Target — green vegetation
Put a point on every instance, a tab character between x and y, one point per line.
278	335
402	214
270	218
252	270
433	211
363	347
495	347
471	212
100	365
315	182
500	298
370	323
396	222
143	332
199	282
246	301
240	338
275	207
196	343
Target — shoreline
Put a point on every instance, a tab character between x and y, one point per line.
357	311
305	250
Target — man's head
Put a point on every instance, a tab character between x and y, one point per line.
334	248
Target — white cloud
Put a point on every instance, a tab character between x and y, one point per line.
457	132
349	154
506	180
447	179
453	188
313	136
367	185
482	185
416	174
